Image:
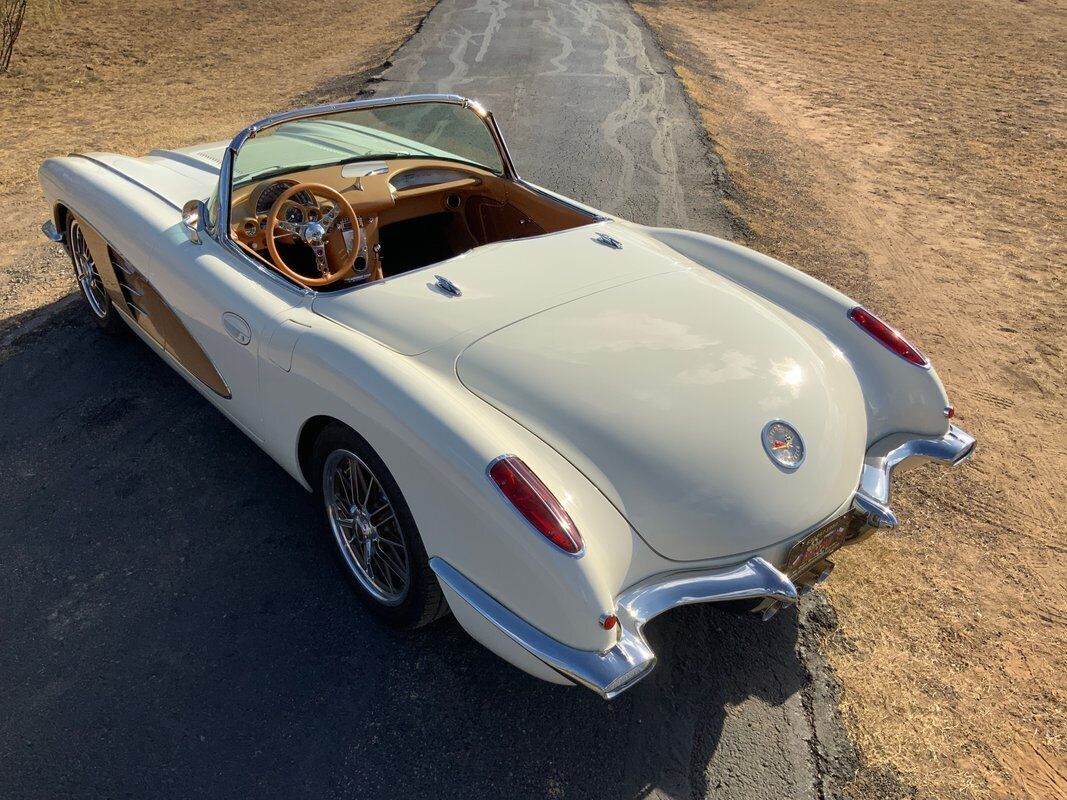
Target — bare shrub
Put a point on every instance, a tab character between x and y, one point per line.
12	13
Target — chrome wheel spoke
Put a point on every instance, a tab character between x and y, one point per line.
366	527
388	562
392	543
382	515
86	273
348	480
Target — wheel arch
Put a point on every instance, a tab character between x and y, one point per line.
309	434
305	442
60	216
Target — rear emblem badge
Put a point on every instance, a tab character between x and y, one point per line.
783	444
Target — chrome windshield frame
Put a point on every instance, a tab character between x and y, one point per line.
221	230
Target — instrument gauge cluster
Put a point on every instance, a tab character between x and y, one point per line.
273	191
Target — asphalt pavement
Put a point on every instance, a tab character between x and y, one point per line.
173	623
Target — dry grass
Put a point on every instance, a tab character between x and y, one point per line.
913	155
88	75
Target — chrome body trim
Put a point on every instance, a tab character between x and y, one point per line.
595	217
770	453
49	230
381	102
900	451
615	670
607	241
446	286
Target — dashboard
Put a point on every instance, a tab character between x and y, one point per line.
377	191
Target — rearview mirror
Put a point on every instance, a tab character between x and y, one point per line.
194	219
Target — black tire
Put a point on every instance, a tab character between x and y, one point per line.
101	310
423	602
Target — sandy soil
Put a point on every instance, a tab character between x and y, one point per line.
162	73
913	155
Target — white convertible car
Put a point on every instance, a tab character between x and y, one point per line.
554	423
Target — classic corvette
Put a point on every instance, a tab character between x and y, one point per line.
549	421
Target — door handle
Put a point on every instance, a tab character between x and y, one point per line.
237	328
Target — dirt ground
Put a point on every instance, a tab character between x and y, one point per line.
913	155
161	73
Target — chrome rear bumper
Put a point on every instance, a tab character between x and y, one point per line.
631	658
615	670
899	452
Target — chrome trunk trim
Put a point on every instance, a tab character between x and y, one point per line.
615	670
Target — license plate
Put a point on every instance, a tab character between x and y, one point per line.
817	545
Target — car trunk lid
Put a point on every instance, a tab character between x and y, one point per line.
659	390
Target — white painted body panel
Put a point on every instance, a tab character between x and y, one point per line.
382	359
659	390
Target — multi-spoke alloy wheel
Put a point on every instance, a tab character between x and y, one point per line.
366	527
378	542
87	274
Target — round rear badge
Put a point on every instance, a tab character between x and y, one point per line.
783	444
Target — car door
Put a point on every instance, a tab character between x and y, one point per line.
229	307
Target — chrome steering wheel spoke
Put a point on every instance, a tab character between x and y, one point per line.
330	217
320	258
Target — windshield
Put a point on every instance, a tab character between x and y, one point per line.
415	130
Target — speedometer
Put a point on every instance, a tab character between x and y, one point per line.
273	192
294	215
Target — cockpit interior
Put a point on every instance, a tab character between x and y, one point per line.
347	199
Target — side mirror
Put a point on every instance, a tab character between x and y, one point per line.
194	218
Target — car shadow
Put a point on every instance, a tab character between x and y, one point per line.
174	625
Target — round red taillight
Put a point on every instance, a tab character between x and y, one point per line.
887	336
537	505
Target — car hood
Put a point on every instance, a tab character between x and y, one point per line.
658	390
178	176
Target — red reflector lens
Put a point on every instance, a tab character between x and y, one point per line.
888	336
608	622
535	503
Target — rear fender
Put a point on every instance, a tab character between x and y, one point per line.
900	397
437	440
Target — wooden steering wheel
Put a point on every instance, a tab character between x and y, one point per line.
335	261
